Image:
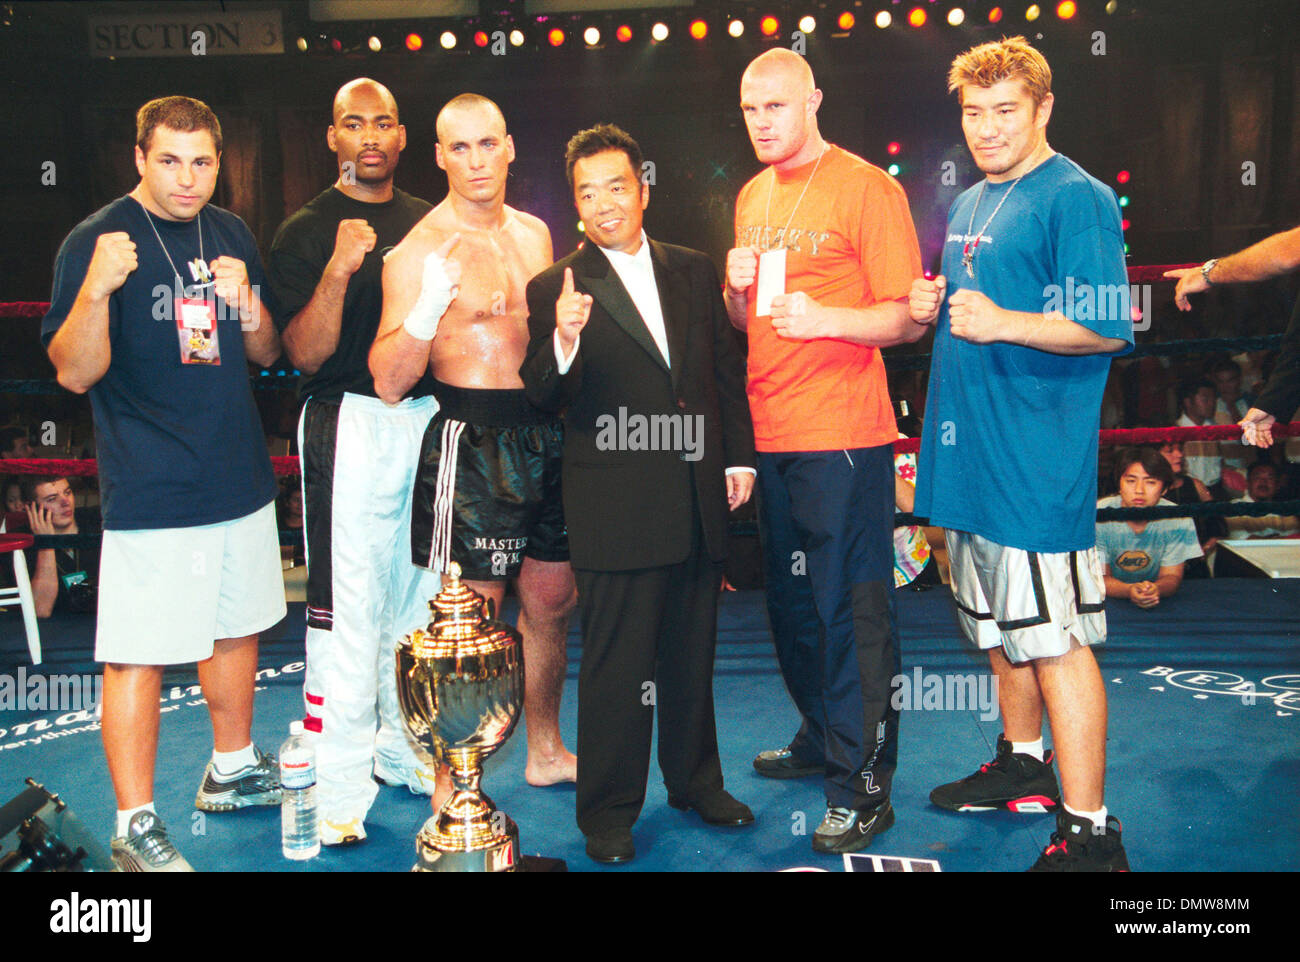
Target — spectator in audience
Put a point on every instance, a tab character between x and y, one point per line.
1188	490
1253	373
63	579
1229	408
13	494
1184	489
1203	461
13	517
1144	559
14	443
1262	485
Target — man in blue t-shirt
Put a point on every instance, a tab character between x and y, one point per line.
158	306
1144	559
1039	297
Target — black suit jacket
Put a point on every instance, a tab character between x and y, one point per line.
626	505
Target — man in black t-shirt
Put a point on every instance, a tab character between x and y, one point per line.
358	461
63	579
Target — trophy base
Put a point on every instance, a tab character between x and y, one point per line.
500	855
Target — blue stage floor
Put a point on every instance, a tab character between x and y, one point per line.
1204	776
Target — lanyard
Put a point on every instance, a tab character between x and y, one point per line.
199	218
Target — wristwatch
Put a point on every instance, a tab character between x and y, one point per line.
1206	268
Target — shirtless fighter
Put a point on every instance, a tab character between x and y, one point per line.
487	492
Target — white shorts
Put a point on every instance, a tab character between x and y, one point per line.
1038	600
165	594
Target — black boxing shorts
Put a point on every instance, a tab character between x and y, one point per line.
487	488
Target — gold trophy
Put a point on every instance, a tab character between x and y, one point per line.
460	684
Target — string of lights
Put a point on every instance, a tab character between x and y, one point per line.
513	29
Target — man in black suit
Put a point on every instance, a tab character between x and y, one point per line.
631	338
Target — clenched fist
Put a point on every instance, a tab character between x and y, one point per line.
796	316
354	240
114	259
925	298
230	282
742	270
973	317
571	313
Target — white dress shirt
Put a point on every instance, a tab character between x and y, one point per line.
637	273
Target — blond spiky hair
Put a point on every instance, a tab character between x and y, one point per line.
1005	59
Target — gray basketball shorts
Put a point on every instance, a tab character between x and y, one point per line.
1029	602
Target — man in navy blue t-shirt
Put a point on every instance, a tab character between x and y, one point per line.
1039	297
157	309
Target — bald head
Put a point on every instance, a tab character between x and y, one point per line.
368	139
362	87
779	102
465	104
783	64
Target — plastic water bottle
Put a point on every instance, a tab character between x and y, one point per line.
299	827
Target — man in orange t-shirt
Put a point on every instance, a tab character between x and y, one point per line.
825	257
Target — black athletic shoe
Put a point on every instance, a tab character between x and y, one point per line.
1077	846
782	763
1017	782
847	830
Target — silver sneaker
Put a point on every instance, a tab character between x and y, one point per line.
846	830
256	785
835	822
146	847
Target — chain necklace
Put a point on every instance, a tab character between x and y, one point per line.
767	219
199	218
968	249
